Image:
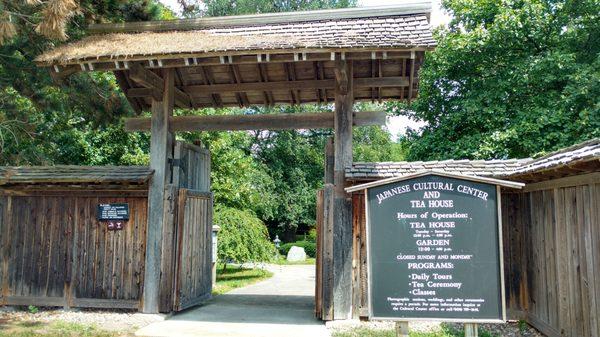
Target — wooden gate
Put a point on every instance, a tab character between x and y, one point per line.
194	265
324	274
193	240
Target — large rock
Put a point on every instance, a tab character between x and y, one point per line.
296	254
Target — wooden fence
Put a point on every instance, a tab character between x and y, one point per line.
55	252
553	248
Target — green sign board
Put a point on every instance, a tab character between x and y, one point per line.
434	250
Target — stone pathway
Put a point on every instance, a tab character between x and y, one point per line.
280	306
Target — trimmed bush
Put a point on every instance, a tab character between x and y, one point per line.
243	237
309	247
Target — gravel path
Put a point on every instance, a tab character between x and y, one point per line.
511	329
111	320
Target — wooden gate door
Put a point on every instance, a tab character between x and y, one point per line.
193	276
324	263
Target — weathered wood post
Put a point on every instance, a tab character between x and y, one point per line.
471	330
342	226
161	150
329	161
402	329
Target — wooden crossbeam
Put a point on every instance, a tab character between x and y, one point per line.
285	121
204	59
396	81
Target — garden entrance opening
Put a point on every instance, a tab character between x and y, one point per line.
330	57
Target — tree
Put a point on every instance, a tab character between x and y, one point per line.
242	238
509	79
374	144
294	160
238	7
79	121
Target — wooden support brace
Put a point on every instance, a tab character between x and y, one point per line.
153	86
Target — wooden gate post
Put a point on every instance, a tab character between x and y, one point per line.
471	330
342	227
161	150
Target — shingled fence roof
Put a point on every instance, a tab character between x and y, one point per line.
567	161
69	174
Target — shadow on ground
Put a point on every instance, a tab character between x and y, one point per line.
253	308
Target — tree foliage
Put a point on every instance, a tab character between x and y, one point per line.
243	237
294	160
238	7
272	175
510	79
77	122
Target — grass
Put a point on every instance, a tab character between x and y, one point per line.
54	329
446	331
235	277
282	261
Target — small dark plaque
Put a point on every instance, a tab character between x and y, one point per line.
434	250
108	212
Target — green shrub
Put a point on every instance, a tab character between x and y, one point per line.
309	247
243	237
312	235
33	309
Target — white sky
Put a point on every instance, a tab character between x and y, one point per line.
398	124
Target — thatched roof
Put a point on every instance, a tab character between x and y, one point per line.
265	59
347	30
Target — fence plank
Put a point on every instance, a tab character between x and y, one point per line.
555	234
168	255
327	253
319	259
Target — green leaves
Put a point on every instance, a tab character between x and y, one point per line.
509	78
243	237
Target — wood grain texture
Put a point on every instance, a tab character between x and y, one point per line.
59	254
161	143
194	265
342	228
553	256
257	122
327	269
192	248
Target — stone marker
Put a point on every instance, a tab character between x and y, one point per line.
296	254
